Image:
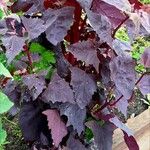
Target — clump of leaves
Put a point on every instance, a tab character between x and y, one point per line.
5	105
72	67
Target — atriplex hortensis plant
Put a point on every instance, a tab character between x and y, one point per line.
73	73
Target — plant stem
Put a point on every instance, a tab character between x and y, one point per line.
113	35
115	102
28	55
9	121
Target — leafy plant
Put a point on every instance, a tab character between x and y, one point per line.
73	66
147	100
5	105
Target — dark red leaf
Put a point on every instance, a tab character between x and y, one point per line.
75	114
74	144
86	51
102	135
131	142
120	125
122	104
58	23
101	25
34	26
12	45
58	91
144	85
123	74
83	85
145	58
115	16
35	84
58	128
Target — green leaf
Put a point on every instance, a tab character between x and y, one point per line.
5	103
3	134
49	57
1	14
88	134
4	71
37	48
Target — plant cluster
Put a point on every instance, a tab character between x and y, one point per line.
69	74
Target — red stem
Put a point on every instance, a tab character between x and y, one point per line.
115	102
28	55
83	24
113	35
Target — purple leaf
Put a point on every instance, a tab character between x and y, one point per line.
121	48
58	128
120	125
58	23
3	27
85	3
58	91
101	26
145	58
83	85
74	144
115	15
35	84
34	26
13	91
144	85
122	5
86	51
38	6
122	104
131	142
62	63
123	74
102	135
145	20
105	73
75	114
12	45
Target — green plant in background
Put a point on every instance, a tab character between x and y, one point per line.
1	14
47	58
3	136
5	105
46	61
147	100
138	47
4	71
122	35
145	1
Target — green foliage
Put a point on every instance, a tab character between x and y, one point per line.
47	57
3	136
147	100
1	14
4	71
138	47
88	134
145	1
122	35
5	103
